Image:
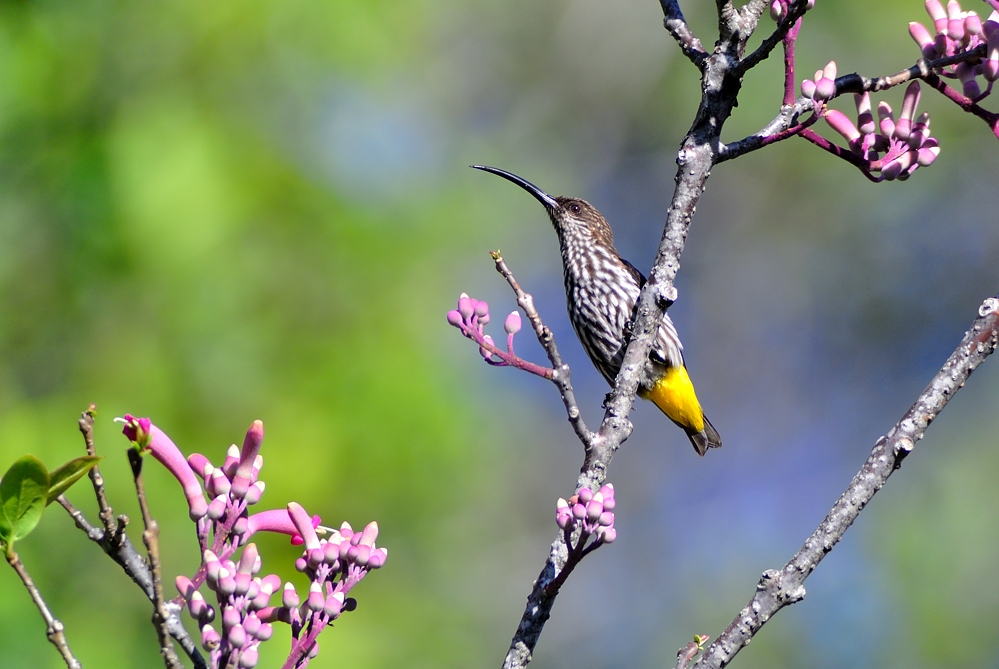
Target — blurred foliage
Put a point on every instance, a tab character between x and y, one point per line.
211	213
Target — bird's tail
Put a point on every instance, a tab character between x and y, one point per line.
705	439
674	394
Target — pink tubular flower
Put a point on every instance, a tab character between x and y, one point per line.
147	436
277	520
244	477
303	523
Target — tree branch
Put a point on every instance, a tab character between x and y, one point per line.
720	88
150	537
54	628
116	544
677	26
560	371
779	588
786	124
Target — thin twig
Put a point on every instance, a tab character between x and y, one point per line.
54	628
690	651
116	544
560	371
106	514
677	26
778	589
790	82
150	537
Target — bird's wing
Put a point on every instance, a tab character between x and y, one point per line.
666	349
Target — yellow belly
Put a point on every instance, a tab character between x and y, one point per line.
674	395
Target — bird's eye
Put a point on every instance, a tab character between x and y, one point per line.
575	208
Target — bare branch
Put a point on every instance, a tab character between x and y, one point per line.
115	543
560	371
106	515
720	88
150	537
778	589
54	628
677	26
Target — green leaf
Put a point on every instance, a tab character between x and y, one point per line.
61	478
23	494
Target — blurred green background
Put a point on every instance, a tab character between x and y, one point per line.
217	212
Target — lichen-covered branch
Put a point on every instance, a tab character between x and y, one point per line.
779	588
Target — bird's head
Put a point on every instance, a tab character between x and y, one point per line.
571	216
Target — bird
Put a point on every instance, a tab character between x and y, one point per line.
601	290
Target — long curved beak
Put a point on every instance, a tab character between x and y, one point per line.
542	196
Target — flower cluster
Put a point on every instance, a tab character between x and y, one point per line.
958	31
334	565
592	512
243	599
778	8
470	318
823	87
896	149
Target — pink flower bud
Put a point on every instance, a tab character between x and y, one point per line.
200	465
454	318
254	493
578	511
265	632
227	583
865	118
776	10
369	534
922	37
973	25
303	524
991	66
593	510
607	534
377	558
315	600
237	636
928	155
512	324
606	518
584	495
887	119
808	88
333	605
196	605
838	121
937	13
230	617
248	658
247	455
184	586
289	598
210	639
465	307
